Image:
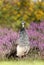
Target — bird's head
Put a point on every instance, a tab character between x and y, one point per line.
23	24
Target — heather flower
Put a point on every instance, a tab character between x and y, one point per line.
36	35
7	39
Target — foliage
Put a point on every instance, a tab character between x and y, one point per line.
13	12
36	35
7	41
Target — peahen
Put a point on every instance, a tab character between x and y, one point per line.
23	46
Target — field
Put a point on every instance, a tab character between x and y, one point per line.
22	62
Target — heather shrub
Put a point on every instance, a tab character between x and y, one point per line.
7	41
36	35
36	38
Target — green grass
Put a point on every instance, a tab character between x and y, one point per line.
22	62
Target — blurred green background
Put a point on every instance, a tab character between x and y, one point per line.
13	12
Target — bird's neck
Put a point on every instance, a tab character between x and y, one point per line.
22	29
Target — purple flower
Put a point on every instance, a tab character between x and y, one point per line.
36	34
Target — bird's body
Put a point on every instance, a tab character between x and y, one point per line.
23	39
23	43
22	50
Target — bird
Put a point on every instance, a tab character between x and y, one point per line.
23	46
